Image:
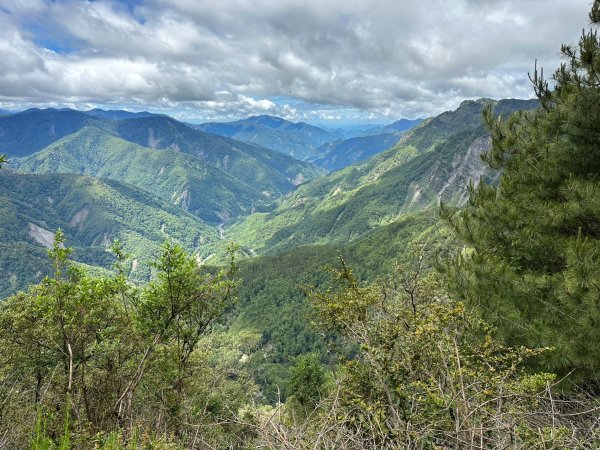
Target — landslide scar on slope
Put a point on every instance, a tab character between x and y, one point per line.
41	235
79	217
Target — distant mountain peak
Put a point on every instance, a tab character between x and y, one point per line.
299	140
118	114
267	117
45	110
401	125
479	101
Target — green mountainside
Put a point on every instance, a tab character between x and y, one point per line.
262	168
177	178
27	132
92	213
266	170
273	299
373	214
186	168
339	154
300	140
432	162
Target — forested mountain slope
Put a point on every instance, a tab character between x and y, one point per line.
299	140
339	154
176	177
432	162
259	167
263	169
273	299
92	213
24	133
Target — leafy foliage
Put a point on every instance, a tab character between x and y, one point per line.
427	374
307	381
85	355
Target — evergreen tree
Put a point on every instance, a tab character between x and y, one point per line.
532	257
307	381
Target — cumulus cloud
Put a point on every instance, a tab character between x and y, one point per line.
302	59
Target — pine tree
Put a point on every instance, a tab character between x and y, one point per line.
531	262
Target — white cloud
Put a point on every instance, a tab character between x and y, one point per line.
221	59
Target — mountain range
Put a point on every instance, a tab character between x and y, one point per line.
176	177
299	140
339	154
142	178
330	149
146	178
400	126
431	163
213	177
29	131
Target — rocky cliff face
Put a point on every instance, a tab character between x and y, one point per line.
448	181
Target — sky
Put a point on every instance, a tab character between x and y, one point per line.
318	61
